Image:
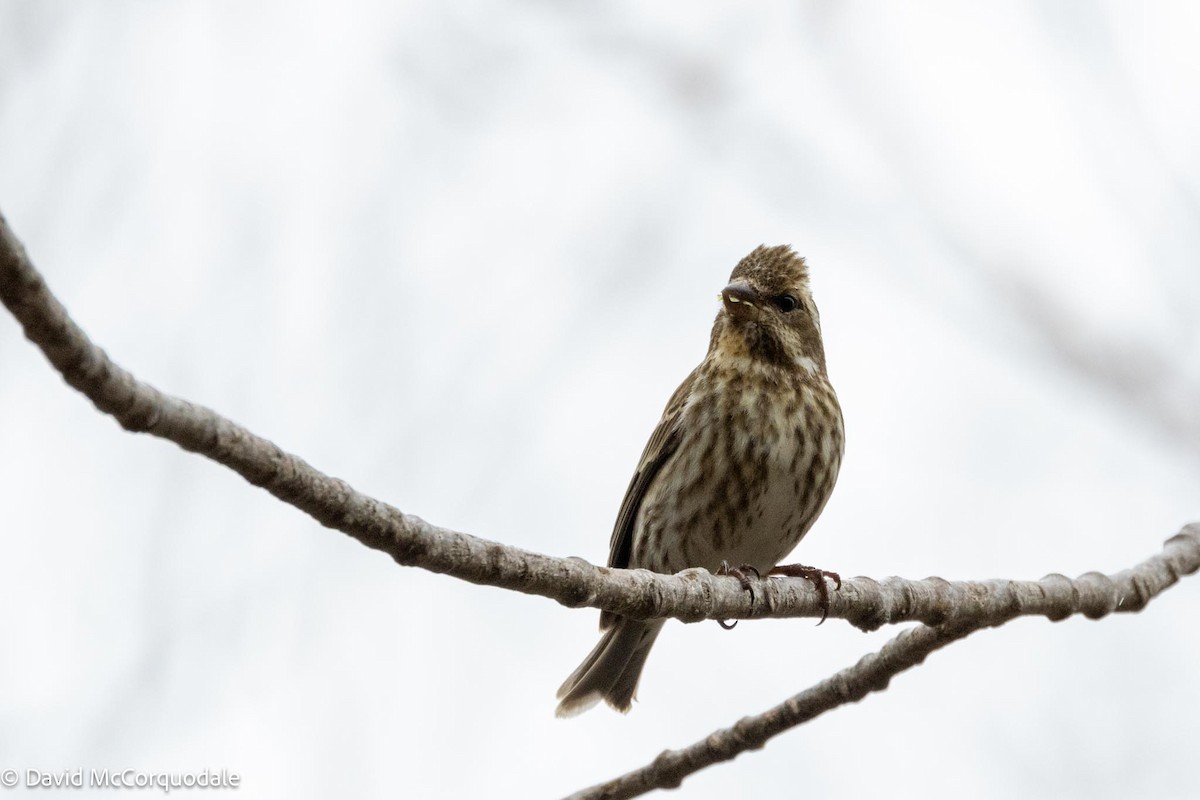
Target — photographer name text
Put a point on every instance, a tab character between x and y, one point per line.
163	781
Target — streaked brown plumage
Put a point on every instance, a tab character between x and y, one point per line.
738	469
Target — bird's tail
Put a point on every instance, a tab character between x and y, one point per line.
611	670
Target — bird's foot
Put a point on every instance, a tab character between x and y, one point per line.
816	577
744	579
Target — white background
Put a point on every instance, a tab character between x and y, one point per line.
460	254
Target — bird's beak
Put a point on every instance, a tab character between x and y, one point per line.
740	300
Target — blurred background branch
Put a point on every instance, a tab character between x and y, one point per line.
1156	382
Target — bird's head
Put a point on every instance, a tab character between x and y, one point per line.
768	313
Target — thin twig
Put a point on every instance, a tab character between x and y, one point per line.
691	596
871	674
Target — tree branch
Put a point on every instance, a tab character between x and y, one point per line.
950	610
692	595
872	674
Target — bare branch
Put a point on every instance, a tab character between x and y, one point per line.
950	610
871	674
692	595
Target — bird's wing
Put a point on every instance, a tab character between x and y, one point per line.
662	445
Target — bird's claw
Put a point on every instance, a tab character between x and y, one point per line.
744	579
816	577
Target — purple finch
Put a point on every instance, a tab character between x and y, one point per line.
740	466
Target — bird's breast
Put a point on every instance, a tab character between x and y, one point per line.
755	465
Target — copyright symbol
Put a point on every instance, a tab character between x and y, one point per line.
8	778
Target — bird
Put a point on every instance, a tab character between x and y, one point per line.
738	469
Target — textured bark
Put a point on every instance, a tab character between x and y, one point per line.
1134	587
692	595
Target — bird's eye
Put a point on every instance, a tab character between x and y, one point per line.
785	302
